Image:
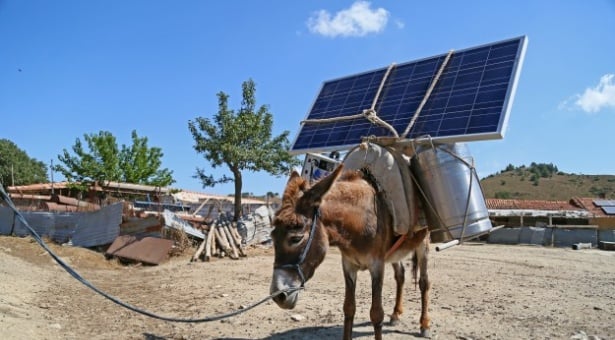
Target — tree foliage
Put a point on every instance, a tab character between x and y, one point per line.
102	160
240	141
541	170
17	168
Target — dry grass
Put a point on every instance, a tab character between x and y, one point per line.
519	185
181	239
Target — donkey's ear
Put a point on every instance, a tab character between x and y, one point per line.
316	193
293	175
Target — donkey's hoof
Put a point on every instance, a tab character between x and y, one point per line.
425	333
394	321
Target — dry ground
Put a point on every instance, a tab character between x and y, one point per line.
479	292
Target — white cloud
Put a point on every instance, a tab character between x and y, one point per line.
600	97
356	21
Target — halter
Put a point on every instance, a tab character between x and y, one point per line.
297	266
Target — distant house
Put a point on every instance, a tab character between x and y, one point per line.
62	197
576	211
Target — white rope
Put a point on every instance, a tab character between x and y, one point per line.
427	94
386	76
369	114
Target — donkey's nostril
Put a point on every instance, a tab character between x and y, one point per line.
281	297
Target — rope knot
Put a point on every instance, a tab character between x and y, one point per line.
371	115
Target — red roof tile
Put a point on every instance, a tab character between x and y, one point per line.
575	203
495	203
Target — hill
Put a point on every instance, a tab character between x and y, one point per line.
544	182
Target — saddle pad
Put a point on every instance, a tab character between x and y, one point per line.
391	170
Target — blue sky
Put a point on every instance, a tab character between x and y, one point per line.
68	68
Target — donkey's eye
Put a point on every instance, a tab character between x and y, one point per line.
296	239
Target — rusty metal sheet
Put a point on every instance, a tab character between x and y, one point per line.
150	250
137	225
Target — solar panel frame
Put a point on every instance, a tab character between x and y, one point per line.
464	95
609	210
604	203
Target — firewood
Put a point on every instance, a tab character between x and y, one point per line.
227	232
236	242
240	245
235	235
229	246
221	238
213	243
209	239
199	250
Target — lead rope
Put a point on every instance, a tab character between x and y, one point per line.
85	282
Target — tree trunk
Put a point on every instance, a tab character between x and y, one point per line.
238	185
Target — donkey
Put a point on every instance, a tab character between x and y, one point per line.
347	211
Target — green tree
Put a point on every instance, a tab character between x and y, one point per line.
103	161
241	141
17	168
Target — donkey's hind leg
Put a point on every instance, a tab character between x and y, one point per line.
399	272
420	260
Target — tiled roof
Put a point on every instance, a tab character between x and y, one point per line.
587	203
574	204
496	203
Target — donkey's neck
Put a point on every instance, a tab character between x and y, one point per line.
349	214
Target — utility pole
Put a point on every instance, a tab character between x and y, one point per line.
51	175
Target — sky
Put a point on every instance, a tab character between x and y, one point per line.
70	68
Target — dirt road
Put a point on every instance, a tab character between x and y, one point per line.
479	292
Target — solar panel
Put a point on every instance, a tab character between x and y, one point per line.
604	203
471	100
610	210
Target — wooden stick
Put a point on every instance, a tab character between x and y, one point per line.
208	240
221	238
234	254
199	250
235	234
214	246
237	242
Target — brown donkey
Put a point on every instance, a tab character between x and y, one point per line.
349	213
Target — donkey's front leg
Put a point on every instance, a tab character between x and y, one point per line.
350	279
376	312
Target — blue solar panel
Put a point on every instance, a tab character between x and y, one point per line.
605	203
470	101
610	210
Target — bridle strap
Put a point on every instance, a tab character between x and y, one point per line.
308	244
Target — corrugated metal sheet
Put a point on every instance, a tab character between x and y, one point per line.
173	221
57	226
98	227
256	228
85	229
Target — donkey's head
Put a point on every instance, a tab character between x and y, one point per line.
299	240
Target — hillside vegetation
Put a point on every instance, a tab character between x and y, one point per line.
545	182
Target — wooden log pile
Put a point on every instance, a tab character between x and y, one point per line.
221	240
